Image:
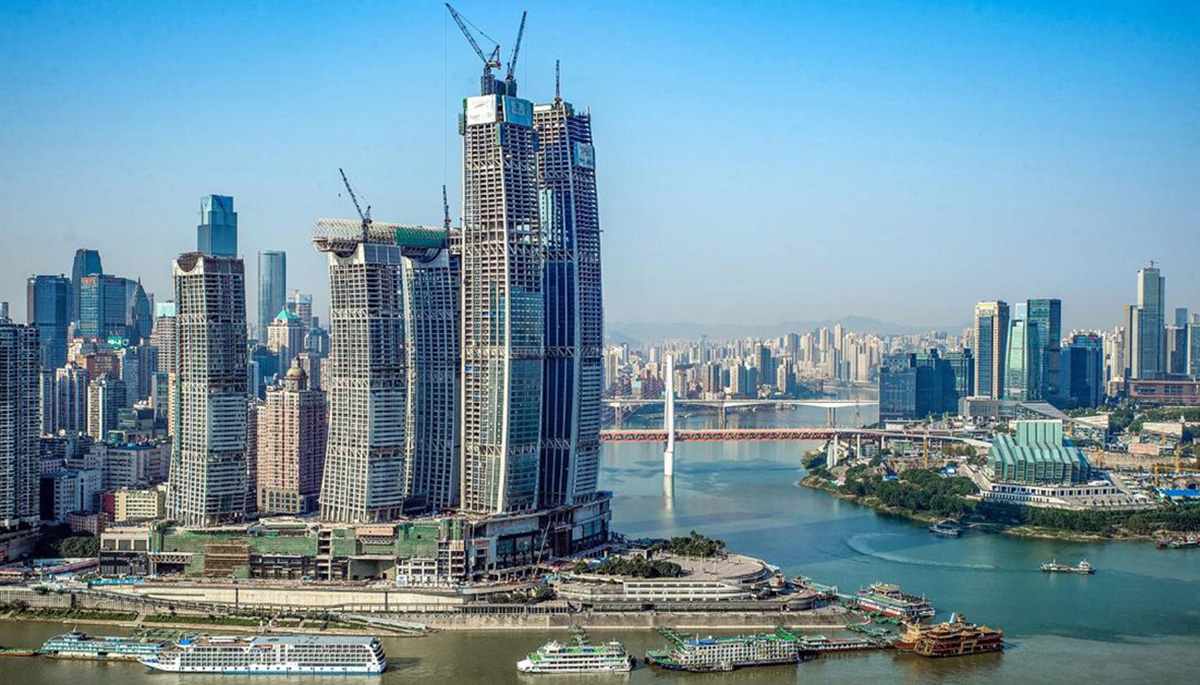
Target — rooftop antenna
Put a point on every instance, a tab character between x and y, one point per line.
557	84
365	216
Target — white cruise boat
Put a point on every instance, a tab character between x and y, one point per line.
273	654
580	657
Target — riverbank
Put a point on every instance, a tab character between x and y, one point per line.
975	522
822	619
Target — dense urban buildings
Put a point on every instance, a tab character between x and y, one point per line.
208	474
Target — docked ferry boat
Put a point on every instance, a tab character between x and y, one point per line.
726	653
946	529
579	657
79	645
892	601
273	654
956	637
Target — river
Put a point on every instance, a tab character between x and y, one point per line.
1136	619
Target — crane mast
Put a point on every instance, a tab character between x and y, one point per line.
364	216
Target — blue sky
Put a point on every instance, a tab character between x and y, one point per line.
757	161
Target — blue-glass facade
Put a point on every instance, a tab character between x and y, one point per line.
1044	322
49	305
272	288
217	233
87	263
102	307
1083	370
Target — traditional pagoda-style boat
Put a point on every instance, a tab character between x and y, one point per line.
956	637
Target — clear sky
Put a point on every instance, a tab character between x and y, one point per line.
757	161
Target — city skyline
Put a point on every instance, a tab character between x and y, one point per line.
1136	176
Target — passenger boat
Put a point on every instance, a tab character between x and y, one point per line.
890	600
707	654
956	637
79	645
1053	566
579	657
15	651
273	654
946	529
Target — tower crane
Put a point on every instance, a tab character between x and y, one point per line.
510	78
365	216
490	62
445	209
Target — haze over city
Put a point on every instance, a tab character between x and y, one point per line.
900	161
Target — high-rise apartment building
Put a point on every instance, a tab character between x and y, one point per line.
87	263
208	475
291	446
272	289
163	336
69	410
300	304
106	397
366	379
572	369
20	357
49	308
503	307
1148	348
285	337
991	341
216	235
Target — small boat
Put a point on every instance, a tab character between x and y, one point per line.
1082	568
946	529
14	651
1179	542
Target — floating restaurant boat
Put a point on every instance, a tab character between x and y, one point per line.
273	654
890	600
946	529
79	645
1082	568
956	637
580	657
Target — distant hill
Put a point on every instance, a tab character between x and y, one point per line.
618	333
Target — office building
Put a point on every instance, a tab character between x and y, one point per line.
49	309
102	307
207	483
1043	320
69	403
139	505
69	491
106	397
20	358
503	307
573	332
918	385
1020	365
216	235
1193	346
285	337
87	263
272	290
1176	338
365	376
991	341
1147	325
1083	370
300	304
290	446
897	388
962	365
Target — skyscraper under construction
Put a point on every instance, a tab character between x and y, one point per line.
574	337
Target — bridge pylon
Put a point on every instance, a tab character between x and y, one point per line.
669	418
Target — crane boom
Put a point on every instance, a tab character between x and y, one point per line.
470	39
365	216
512	60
